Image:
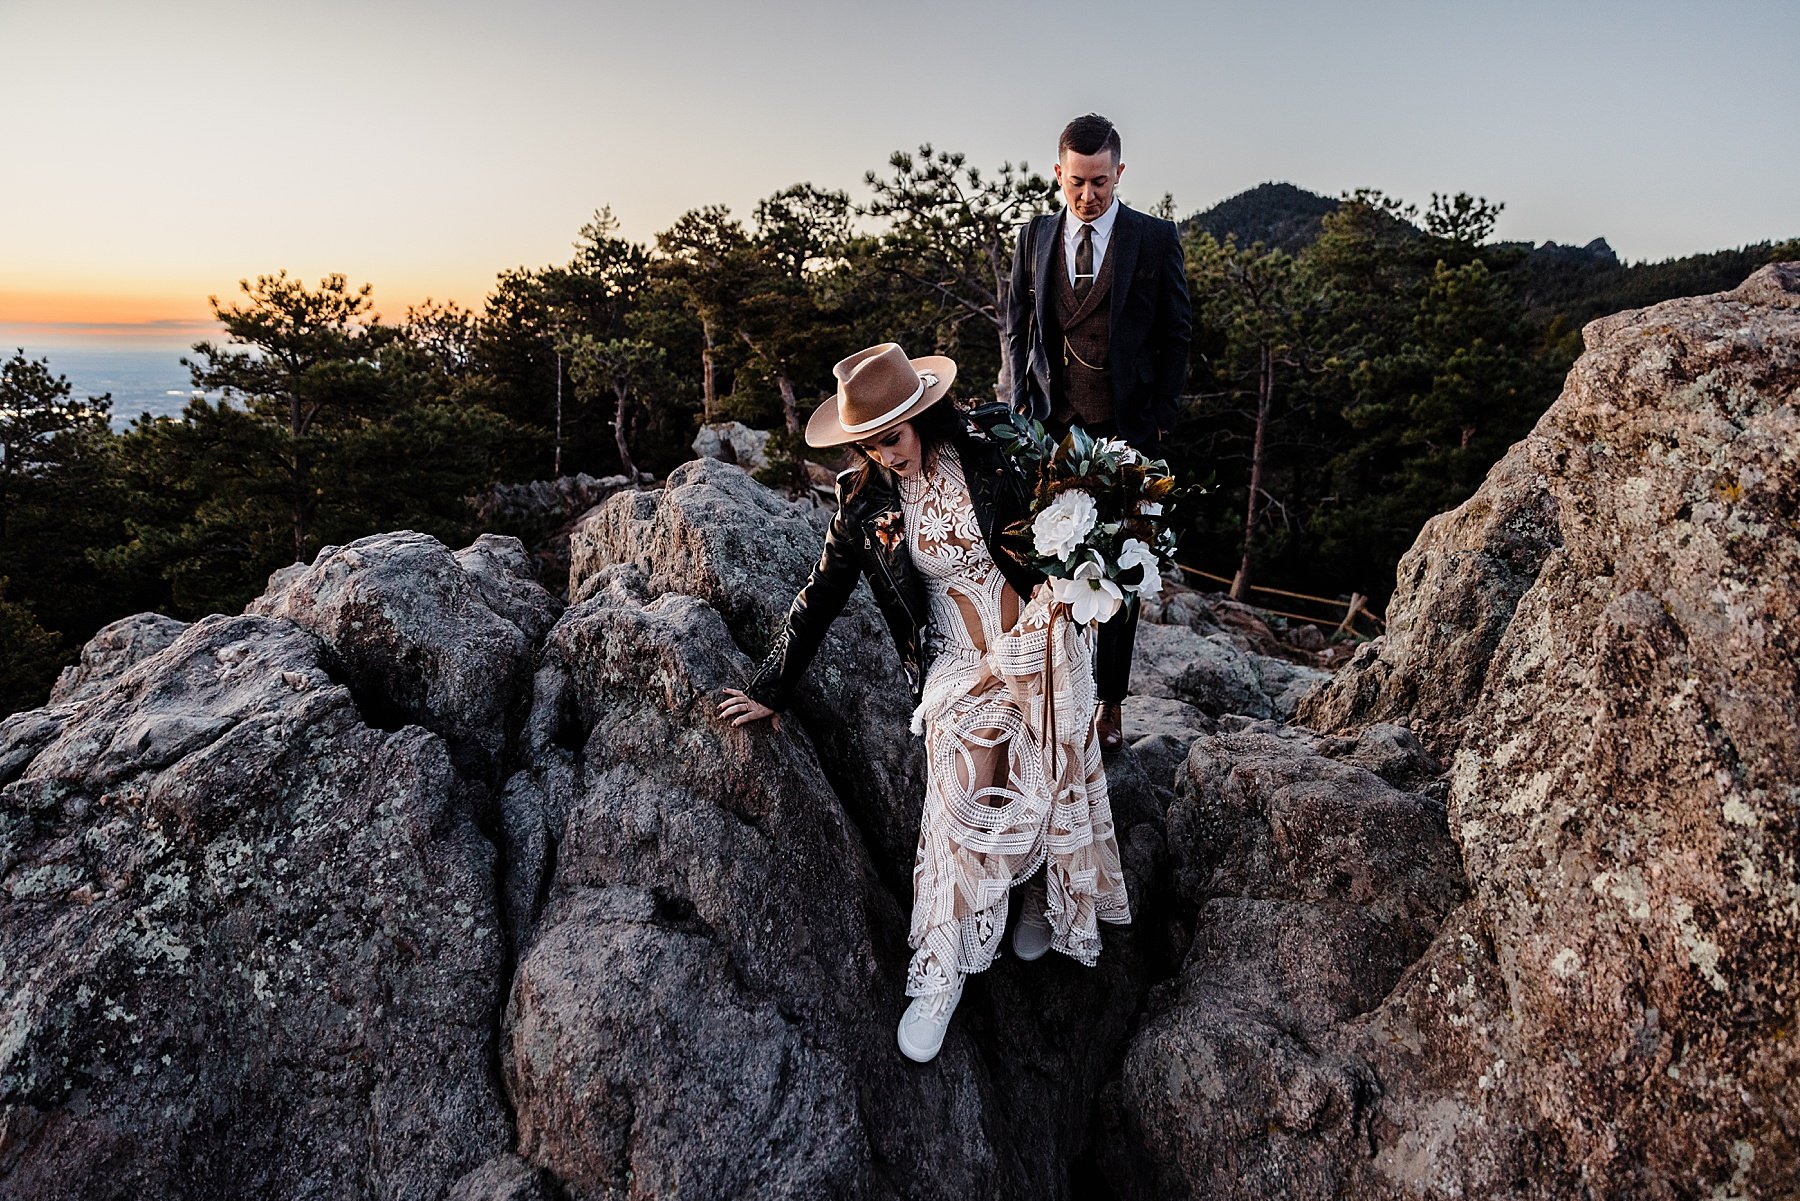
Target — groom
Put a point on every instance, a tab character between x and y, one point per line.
1097	331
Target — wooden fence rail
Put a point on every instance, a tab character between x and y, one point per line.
1344	613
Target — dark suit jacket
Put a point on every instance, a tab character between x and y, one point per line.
1151	322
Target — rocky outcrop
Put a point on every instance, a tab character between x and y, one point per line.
111	651
546	501
695	1002
250	936
1214	674
1603	640
409	882
1255	631
1455	594
1624	789
735	443
425	637
682	947
544	513
714	534
1307	876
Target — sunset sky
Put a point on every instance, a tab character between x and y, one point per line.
159	151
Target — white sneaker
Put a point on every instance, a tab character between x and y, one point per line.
1031	937
923	1024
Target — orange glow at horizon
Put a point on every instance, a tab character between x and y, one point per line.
153	312
20	307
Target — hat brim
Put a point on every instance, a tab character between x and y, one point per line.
824	429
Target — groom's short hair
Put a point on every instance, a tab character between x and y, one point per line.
1089	135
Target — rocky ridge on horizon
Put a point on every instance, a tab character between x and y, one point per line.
413	881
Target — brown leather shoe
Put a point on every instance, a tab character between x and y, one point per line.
1111	727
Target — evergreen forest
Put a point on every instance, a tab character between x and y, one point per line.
1358	365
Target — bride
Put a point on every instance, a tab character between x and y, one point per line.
1004	686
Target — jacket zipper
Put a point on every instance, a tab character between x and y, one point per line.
869	545
916	670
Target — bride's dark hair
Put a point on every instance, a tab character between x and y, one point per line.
944	423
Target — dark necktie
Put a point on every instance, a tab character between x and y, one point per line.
1084	263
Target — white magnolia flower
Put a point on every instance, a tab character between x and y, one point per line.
1119	447
1136	554
1065	521
1149	508
1089	594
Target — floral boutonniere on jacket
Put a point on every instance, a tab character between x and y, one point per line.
890	527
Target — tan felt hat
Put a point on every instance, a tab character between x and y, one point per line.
878	388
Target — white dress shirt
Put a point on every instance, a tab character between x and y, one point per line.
1071	235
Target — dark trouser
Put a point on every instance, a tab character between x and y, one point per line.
1114	640
1112	653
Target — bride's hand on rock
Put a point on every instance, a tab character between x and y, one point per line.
740	709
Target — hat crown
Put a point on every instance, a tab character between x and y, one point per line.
877	389
874	383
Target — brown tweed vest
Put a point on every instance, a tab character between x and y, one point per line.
1087	388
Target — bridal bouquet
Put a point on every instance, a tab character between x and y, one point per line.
1099	526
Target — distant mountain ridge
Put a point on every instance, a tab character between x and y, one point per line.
1562	286
1599	252
1281	216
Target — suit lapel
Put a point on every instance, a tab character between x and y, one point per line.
1042	264
1101	293
1123	252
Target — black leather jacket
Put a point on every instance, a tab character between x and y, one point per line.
868	537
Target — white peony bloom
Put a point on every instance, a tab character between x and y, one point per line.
1149	508
1065	521
1136	554
1089	594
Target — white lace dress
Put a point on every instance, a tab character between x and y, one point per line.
1010	786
